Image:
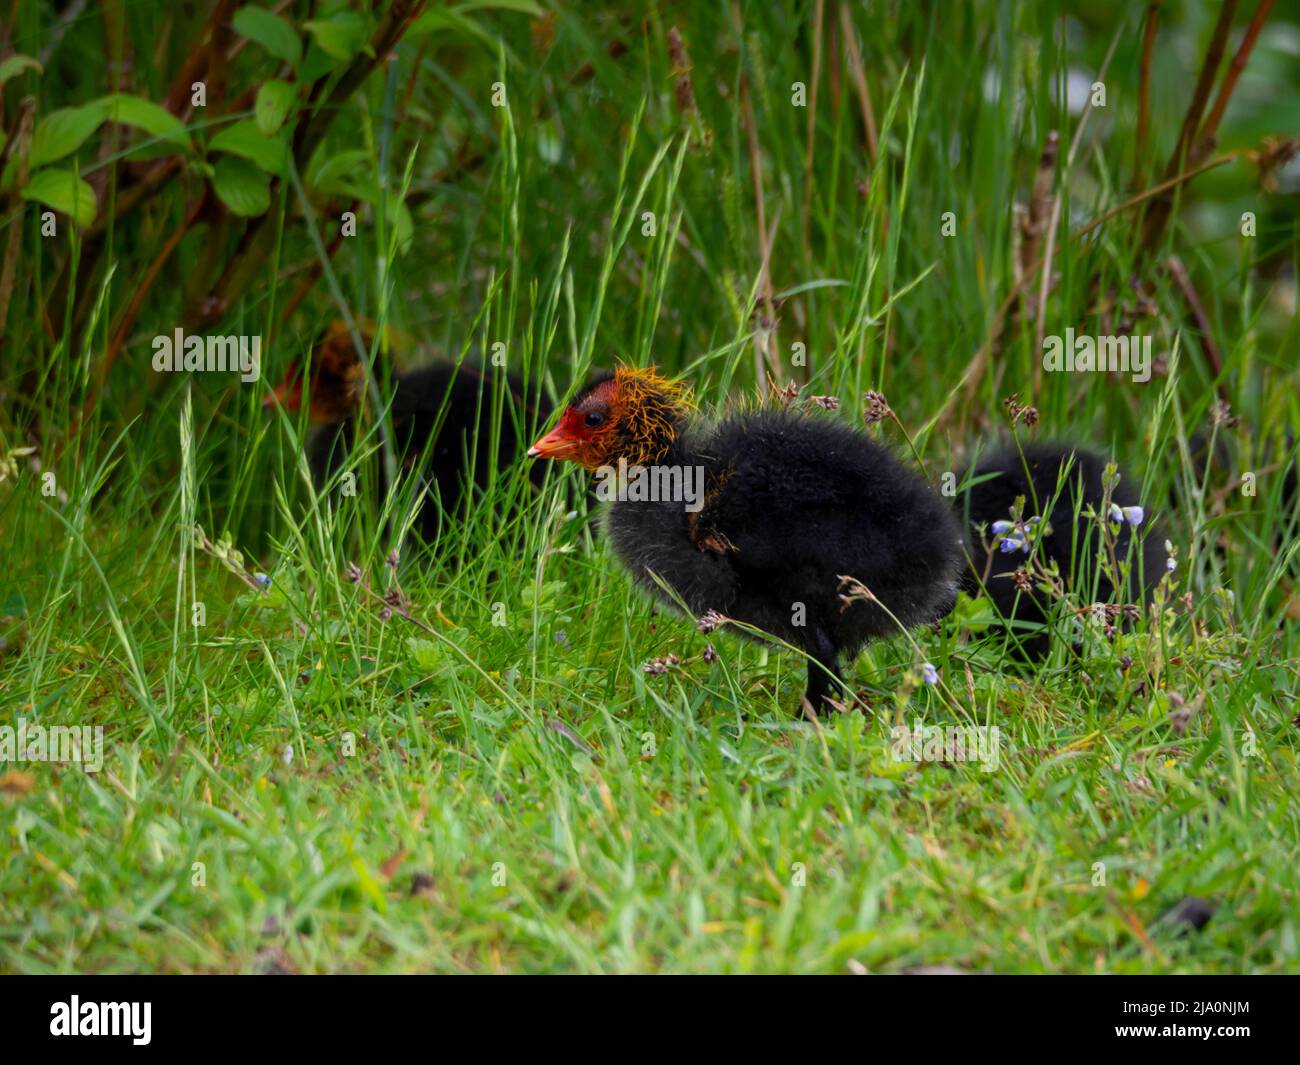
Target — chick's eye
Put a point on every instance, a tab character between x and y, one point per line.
593	419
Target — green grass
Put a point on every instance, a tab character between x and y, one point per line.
494	782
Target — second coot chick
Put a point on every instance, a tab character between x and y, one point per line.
452	406
1070	481
772	509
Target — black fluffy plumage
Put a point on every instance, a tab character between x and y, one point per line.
1072	542
454	408
792	503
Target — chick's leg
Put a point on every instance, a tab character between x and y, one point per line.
825	681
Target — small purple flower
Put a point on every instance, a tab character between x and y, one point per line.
262	579
1015	534
1171	564
1133	515
929	674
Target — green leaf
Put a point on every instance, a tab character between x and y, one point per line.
316	64
63	131
15	65
541	597
341	36
270	31
437	658
332	169
246	140
241	186
426	654
274	101
65	192
146	115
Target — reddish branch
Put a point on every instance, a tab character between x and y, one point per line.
1157	215
1144	90
1211	127
1211	349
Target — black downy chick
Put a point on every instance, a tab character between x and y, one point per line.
452	406
774	509
1074	478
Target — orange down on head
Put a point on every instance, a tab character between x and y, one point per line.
337	379
632	414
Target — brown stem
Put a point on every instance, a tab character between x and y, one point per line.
1157	216
217	50
22	132
1144	91
192	70
1211	127
1212	355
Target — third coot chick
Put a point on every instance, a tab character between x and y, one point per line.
1074	478
773	509
452	406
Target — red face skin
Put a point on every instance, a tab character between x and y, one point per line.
576	438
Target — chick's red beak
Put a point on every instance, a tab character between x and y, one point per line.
554	444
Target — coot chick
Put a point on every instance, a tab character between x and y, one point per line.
1070	480
760	515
